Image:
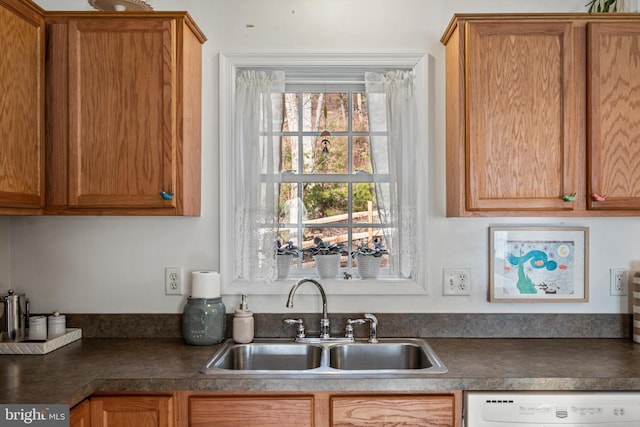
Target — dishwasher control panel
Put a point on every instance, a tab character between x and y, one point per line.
549	409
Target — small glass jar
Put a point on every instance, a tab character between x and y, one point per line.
203	321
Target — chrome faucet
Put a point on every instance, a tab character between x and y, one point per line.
324	322
373	327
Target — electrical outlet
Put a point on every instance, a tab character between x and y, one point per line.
456	281
173	284
618	281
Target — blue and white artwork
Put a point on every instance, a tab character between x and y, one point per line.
539	264
539	267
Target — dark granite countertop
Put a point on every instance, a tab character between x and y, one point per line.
73	372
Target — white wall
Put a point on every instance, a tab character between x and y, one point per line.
116	265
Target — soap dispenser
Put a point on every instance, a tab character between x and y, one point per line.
243	323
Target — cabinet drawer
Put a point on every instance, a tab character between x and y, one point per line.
264	411
367	411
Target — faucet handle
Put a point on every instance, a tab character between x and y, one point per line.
348	331
373	327
300	332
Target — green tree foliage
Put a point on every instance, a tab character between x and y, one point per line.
325	199
363	193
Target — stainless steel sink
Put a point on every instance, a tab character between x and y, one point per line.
276	357
268	357
379	356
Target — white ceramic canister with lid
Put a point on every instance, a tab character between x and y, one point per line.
57	325
37	328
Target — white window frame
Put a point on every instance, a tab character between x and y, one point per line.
229	64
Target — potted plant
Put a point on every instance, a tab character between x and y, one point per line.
599	6
368	259
285	252
327	257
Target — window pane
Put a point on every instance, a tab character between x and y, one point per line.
325	111
291	117
367	237
360	116
362	154
289	156
325	202
291	209
365	210
326	154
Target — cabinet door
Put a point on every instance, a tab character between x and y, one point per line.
122	117
132	411
22	32
80	415
264	411
520	148
371	411
614	107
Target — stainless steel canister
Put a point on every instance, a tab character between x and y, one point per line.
13	316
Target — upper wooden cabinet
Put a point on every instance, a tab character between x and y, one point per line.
123	113
540	107
614	114
22	154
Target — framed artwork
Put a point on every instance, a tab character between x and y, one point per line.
538	264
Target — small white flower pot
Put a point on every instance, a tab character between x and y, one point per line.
283	263
368	266
327	266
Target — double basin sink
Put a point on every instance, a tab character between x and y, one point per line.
280	357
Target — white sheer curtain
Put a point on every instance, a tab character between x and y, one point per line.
394	142
256	163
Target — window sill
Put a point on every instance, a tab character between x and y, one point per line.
331	287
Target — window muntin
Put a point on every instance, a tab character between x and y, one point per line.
327	182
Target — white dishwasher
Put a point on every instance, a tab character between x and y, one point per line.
552	409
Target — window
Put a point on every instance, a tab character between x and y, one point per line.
328	186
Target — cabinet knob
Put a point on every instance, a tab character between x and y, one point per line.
569	198
598	198
166	196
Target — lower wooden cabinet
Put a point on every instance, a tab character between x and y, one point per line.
319	409
80	415
271	409
132	411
